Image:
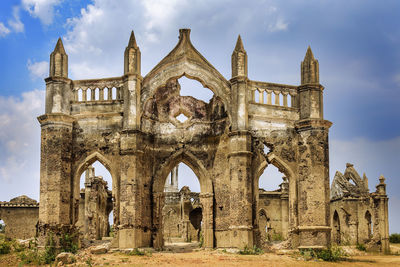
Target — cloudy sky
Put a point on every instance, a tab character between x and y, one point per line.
357	43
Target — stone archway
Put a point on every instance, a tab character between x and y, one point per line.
206	197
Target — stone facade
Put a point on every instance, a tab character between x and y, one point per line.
20	216
129	124
358	216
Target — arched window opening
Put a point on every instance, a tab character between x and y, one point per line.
114	93
2	227
336	228
271	179
97	94
80	97
368	219
88	94
105	93
182	211
273	205
257	96
190	87
95	218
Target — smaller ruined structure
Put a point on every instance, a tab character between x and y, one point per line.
20	216
358	216
273	213
95	206
182	212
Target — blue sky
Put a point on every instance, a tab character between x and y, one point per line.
357	44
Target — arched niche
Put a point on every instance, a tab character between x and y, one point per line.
336	230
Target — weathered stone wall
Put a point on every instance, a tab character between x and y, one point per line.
20	216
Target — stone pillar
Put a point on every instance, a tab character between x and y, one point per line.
207	201
382	211
285	208
313	184
132	211
55	175
158	204
241	198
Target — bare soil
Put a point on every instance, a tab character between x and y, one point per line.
191	256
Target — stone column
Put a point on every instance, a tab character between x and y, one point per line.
241	189
132	232
158	235
382	212
313	184
55	175
207	201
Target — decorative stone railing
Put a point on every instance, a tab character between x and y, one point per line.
273	94
17	205
109	89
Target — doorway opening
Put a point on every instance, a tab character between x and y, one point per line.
182	211
95	213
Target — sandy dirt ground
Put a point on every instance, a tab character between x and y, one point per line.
214	258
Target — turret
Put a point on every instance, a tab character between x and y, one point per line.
310	98
132	57
59	61
239	59
58	91
309	68
381	187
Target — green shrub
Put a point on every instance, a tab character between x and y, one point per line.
136	252
68	243
394	238
276	237
32	256
5	247
361	247
251	251
333	253
50	251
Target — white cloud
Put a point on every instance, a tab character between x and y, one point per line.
20	144
278	25
3	30
38	69
42	9
15	23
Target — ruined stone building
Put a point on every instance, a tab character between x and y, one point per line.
358	216
20	216
129	124
95	206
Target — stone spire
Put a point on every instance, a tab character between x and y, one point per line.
309	68
381	187
59	61
132	57
239	59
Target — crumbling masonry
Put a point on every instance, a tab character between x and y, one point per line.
129	124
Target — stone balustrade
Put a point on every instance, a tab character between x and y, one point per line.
273	94
108	89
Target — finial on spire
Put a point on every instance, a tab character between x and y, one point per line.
382	179
59	61
239	45
239	59
132	40
309	69
309	54
132	57
59	47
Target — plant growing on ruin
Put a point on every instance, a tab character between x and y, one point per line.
361	247
68	243
5	247
332	253
251	251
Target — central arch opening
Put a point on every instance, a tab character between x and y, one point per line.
95	212
182	212
272	206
